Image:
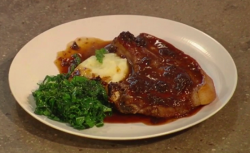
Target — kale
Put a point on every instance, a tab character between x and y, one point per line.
79	101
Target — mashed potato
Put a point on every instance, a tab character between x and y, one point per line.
113	68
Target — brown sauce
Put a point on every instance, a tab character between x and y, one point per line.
118	117
85	47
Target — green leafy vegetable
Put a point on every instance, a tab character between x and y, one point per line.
100	54
81	102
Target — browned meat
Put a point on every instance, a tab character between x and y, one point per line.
163	81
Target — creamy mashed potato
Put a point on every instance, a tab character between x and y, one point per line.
113	68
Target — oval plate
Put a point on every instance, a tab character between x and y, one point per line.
36	60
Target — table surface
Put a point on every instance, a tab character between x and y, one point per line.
227	21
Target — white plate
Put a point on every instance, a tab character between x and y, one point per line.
36	59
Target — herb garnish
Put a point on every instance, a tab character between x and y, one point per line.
100	54
76	61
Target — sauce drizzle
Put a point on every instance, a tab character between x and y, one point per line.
118	117
84	47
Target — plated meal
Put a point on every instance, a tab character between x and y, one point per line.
132	75
146	81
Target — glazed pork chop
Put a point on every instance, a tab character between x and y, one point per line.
163	81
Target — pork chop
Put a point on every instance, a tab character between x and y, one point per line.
163	81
